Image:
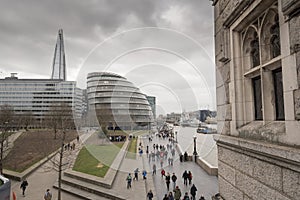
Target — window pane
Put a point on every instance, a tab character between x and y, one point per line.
278	88
257	98
255	52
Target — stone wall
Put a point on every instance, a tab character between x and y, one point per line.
250	172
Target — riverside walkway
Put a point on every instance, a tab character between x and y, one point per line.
44	177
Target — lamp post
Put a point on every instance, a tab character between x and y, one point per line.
195	148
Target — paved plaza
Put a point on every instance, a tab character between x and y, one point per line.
207	185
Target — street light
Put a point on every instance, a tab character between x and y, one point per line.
195	148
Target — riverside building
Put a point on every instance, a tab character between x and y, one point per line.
257	46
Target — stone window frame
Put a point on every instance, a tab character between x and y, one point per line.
267	63
255	19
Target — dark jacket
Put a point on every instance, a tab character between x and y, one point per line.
193	190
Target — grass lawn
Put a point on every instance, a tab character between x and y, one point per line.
131	152
96	160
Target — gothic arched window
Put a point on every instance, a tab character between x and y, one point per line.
275	39
255	51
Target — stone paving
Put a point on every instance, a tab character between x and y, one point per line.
44	178
207	185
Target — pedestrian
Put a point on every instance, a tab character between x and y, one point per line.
190	176
171	161
166	197
73	145
48	195
193	192
153	156
171	197
141	152
77	138
150	195
173	152
163	172
144	174
23	186
161	162
174	179
185	177
186	196
168	180
129	179
185	156
136	174
154	169
202	197
177	193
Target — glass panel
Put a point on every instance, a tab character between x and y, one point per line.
275	39
278	88
255	52
257	98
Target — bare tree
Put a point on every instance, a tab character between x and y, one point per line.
26	120
6	118
62	119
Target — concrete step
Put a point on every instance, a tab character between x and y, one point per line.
91	188
88	178
85	195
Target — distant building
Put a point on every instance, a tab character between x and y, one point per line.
203	114
59	60
118	104
34	98
173	118
152	102
257	47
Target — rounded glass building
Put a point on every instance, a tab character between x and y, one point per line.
118	104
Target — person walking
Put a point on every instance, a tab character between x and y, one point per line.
171	197
186	196
168	180
129	179
154	169
190	176
185	177
150	195
166	197
136	174
23	186
48	195
177	193
202	197
144	174
174	179
163	172
193	192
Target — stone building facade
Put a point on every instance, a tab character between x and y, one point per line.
257	47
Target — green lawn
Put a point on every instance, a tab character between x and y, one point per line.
131	152
95	160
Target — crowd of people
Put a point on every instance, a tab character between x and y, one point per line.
165	153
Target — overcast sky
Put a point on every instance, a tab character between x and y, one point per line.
165	47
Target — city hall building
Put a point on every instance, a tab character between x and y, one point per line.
117	103
257	47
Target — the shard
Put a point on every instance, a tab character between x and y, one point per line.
59	61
